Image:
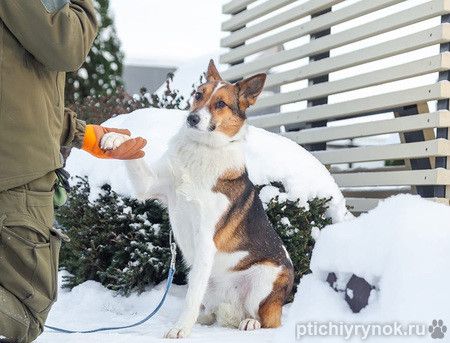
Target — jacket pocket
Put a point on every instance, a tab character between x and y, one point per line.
28	267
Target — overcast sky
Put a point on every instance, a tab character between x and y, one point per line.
168	32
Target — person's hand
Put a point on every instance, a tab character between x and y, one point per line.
110	143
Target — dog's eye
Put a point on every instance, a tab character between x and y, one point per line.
220	104
198	96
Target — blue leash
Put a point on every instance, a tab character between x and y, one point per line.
173	250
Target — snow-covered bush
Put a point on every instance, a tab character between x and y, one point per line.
296	225
124	244
118	241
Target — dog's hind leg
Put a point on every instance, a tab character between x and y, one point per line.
270	285
270	309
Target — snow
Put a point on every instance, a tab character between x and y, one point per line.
90	306
402	247
270	157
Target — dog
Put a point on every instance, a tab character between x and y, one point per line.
240	272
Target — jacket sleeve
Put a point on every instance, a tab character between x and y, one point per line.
58	33
73	130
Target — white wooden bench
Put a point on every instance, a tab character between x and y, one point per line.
382	61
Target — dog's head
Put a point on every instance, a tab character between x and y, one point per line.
218	107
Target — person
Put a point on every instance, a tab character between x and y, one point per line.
40	40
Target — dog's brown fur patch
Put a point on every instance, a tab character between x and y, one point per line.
232	174
227	237
245	226
227	119
270	308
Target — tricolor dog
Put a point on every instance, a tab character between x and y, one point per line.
240	272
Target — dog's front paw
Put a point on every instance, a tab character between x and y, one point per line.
112	140
178	332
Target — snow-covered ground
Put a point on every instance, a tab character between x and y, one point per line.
90	306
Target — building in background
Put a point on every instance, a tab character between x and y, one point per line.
138	75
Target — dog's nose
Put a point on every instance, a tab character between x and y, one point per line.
193	119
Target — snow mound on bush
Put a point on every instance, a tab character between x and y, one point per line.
270	157
402	247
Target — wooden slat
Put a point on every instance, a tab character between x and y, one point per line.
394	21
422	39
438	176
337	170
359	205
374	193
316	24
301	11
243	18
433	148
235	6
440	90
400	72
372	128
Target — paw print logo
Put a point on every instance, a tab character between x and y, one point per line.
437	329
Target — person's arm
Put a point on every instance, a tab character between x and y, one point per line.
73	130
58	33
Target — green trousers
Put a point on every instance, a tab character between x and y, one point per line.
29	251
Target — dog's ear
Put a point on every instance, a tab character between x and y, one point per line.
212	75
249	90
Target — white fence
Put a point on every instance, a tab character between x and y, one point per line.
357	80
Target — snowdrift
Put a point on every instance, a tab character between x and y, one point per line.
402	248
270	157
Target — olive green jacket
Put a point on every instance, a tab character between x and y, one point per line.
40	40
